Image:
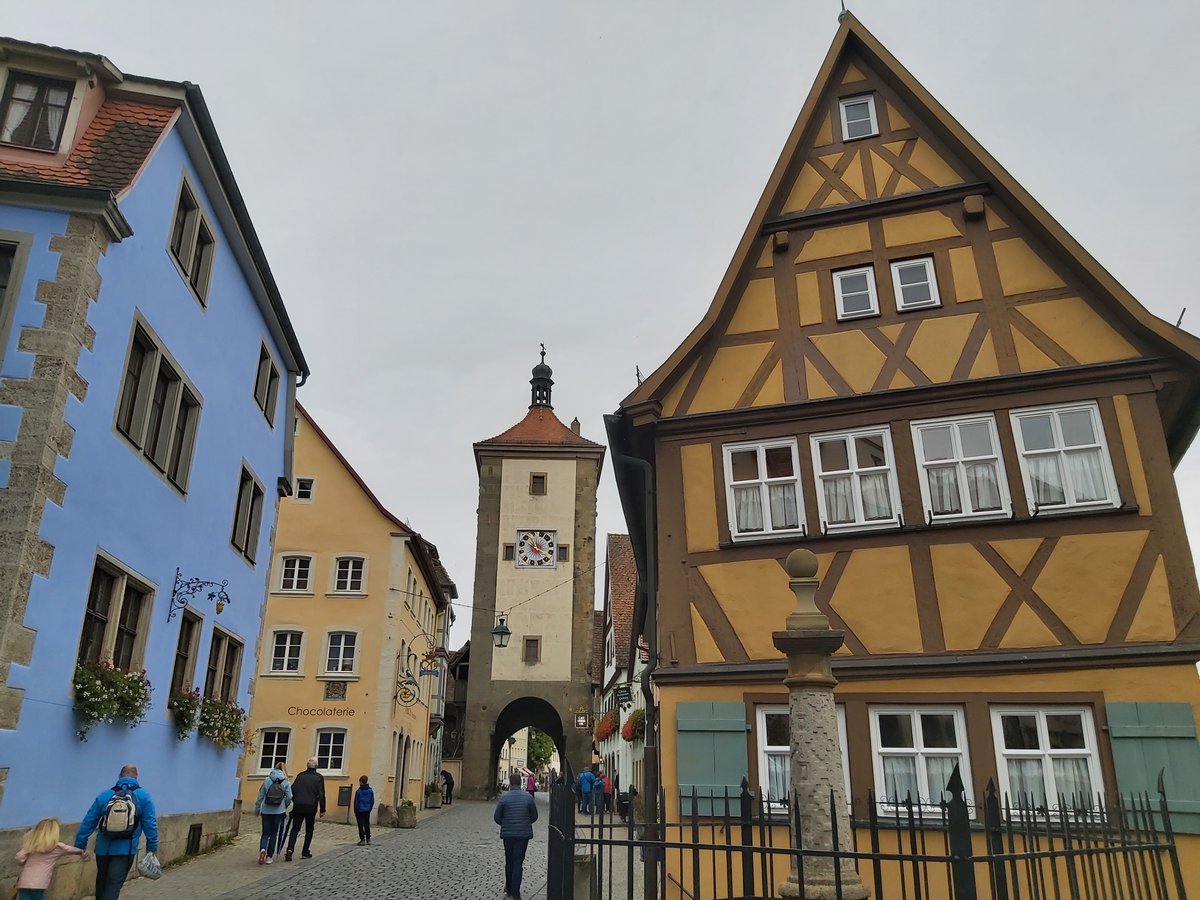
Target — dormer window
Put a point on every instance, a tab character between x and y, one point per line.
858	118
34	111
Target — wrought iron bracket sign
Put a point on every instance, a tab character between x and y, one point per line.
189	588
408	691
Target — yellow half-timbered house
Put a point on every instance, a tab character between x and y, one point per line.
913	371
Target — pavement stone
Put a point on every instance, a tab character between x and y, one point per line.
453	854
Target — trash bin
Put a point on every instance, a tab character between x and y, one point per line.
623	804
343	795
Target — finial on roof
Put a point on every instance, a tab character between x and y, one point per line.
845	12
541	383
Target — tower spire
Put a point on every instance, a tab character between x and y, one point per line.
541	383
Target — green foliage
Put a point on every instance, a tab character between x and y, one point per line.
540	751
223	722
185	707
104	694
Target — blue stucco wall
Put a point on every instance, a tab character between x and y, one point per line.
117	503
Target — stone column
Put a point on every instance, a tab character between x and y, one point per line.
809	643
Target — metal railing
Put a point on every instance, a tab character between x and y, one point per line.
738	846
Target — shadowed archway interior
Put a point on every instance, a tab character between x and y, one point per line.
523	713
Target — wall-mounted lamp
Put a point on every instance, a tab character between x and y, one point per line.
501	633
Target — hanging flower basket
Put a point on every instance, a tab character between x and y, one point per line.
634	728
104	694
223	722
607	726
185	708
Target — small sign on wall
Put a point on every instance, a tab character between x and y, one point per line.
582	722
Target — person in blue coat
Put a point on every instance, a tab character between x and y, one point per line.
587	790
516	811
115	854
273	797
364	802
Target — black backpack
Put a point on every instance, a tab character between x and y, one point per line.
120	816
276	795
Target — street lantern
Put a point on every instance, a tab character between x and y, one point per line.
501	634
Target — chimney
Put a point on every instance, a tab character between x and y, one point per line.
575	424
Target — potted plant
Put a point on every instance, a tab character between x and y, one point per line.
185	708
433	795
223	722
634	728
104	694
406	814
607	726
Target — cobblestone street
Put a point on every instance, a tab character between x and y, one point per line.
453	853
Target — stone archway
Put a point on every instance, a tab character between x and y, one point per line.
521	713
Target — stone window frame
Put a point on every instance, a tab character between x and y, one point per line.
324	764
248	514
182	240
363	575
563	551
300	645
276	729
539	488
123	578
184	679
221	676
135	404
341	674
266	384
919	751
284	557
20	242
537	643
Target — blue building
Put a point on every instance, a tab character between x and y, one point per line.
146	416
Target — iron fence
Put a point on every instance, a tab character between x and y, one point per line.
739	846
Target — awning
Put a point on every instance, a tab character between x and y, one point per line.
524	771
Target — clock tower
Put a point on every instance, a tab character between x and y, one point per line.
535	563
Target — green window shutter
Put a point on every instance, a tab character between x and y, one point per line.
1150	737
711	756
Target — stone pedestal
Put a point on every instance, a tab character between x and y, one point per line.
809	644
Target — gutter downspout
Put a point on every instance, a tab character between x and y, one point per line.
650	757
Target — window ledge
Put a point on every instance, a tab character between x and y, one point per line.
337	676
292	594
346	594
293	676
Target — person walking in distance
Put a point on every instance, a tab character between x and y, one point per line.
587	782
516	811
607	786
448	787
308	797
531	784
364	802
273	797
119	816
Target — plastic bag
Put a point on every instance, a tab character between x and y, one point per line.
150	867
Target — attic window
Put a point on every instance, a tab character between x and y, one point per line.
34	110
858	117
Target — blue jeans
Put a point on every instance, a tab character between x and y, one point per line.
270	840
110	875
31	893
514	862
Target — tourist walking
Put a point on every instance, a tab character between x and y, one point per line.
364	802
607	787
448	787
531	784
516	811
119	817
273	797
308	797
40	850
587	785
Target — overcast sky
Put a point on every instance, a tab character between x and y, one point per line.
441	186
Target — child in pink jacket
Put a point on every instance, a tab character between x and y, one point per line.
40	850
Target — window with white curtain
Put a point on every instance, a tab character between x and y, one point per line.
34	110
962	473
1064	459
775	754
1046	756
856	479
763	489
914	750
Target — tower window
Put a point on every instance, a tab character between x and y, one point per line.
537	484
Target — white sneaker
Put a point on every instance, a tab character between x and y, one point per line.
270	859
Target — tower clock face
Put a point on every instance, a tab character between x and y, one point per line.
536	549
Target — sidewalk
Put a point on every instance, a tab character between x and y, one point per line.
236	865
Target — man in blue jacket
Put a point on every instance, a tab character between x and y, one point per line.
516	811
114	851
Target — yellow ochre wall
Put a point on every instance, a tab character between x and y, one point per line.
341	519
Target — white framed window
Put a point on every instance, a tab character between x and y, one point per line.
348	575
961	470
858	117
305	488
1064	458
331	751
914	750
763	489
916	284
285	651
856	475
775	754
854	290
1044	753
295	574
339	655
273	750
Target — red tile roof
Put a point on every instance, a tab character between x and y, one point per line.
541	426
622	589
597	646
111	151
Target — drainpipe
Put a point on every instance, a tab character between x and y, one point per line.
651	760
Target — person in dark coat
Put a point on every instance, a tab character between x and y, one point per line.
447	787
516	811
308	796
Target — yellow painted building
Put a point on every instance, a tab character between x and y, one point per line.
351	658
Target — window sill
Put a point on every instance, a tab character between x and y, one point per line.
346	594
852	317
187	280
292	594
48	151
337	676
291	676
766	538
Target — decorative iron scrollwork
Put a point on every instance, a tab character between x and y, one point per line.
189	588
